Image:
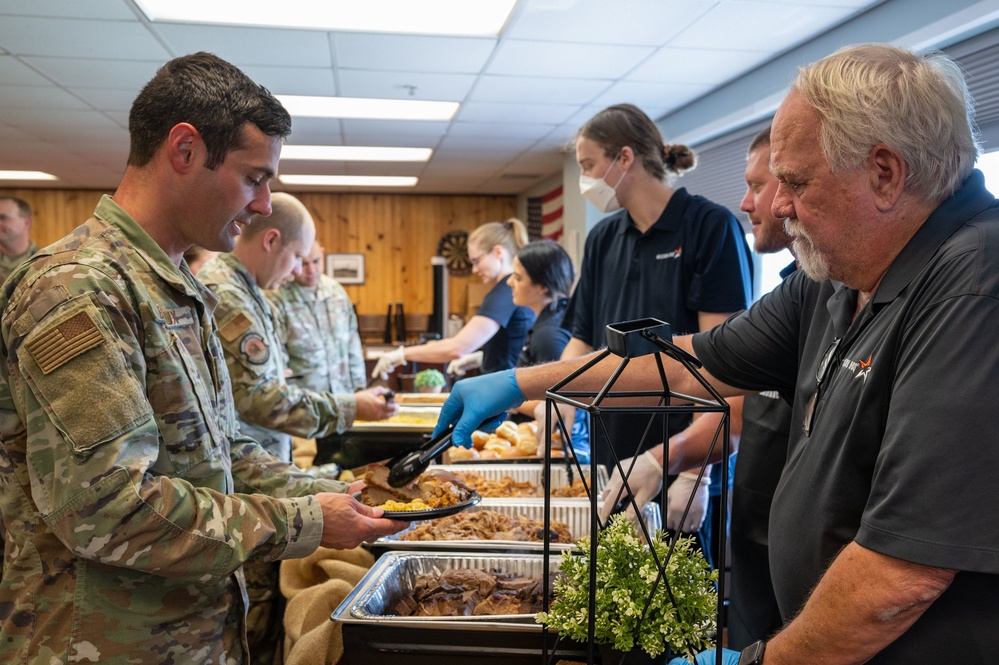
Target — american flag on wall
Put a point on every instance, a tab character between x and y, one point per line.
544	215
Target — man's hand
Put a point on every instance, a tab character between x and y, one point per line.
460	366
729	657
541	415
372	405
477	401
645	481
388	362
347	522
676	501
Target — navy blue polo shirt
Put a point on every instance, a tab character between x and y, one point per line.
693	259
903	450
501	351
546	339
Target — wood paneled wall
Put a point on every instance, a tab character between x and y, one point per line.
396	233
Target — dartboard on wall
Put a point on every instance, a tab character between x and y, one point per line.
453	246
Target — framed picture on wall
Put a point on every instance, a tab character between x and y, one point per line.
346	268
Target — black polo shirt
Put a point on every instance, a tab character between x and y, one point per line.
546	339
904	441
693	259
501	351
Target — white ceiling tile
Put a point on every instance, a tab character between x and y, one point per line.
89	73
316	131
532	89
118	101
79	38
355	128
520	130
118	10
602	22
405	85
47	123
15	72
356	50
515	112
24	97
655	99
743	22
693	65
549	59
250	46
293	80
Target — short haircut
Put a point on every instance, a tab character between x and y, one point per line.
626	125
215	97
919	105
288	215
760	140
510	234
23	207
548	265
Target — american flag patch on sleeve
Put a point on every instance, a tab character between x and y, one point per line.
63	342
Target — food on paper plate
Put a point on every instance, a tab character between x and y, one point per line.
436	488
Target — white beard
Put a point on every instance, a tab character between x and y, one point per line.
809	259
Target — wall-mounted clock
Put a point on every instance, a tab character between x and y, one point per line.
453	246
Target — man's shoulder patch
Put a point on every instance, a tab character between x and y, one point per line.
235	327
254	348
63	342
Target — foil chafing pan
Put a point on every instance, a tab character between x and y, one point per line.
395	573
573	512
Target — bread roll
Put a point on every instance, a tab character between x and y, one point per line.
489	454
497	444
508	431
479	439
528	429
512	451
458	454
528	446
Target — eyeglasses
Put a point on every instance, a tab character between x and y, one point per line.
821	375
478	258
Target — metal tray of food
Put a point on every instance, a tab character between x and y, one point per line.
529	473
421	400
575	513
394	575
408	419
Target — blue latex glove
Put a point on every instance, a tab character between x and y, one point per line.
729	657
477	403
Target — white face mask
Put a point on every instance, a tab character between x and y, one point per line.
599	193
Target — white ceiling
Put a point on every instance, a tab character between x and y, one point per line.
70	69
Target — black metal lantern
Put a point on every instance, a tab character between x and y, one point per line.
651	411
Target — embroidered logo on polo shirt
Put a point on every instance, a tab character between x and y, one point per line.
675	254
860	368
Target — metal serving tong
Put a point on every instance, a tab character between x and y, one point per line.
405	467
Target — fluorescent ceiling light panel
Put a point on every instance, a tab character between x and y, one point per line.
378	109
26	175
349	180
347	153
480	18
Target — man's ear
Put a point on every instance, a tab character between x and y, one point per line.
626	157
271	239
887	175
182	145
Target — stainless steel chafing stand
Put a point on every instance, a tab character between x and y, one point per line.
373	633
627	340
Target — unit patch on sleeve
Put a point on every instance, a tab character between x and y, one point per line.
254	348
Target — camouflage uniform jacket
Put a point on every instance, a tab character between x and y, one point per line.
319	329
130	503
8	263
270	409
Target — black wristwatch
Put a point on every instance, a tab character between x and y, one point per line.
753	654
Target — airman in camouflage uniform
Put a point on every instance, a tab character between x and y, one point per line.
129	499
270	409
15	224
317	322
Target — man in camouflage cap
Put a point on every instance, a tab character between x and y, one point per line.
319	328
130	500
271	410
